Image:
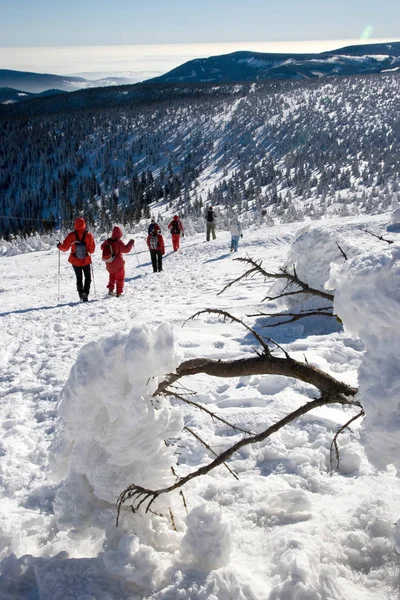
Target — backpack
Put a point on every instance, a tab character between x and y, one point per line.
107	253
80	246
175	227
153	241
210	216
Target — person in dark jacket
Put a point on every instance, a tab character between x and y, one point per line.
112	250
210	223
155	242
151	226
176	229
81	244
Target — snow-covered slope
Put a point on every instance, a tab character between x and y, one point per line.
288	528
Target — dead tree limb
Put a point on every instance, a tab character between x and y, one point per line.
295	317
169	392
139	495
226	315
203	443
255	267
331	391
378	236
342	251
334	445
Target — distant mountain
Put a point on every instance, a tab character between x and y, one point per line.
41	82
253	66
11	96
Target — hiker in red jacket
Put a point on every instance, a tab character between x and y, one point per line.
155	243
82	245
176	229
112	250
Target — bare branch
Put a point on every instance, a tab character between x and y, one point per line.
378	236
295	317
226	315
259	365
334	441
341	251
198	438
244	276
169	392
139	495
284	274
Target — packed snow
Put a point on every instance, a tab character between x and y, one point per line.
79	423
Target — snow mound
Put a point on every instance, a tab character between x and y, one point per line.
394	221
113	431
310	257
367	299
208	538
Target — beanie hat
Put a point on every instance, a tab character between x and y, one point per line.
176	217
116	233
80	224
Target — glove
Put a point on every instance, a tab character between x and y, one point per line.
241	235
58	245
133	242
183	235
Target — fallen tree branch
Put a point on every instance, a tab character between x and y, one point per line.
259	365
334	441
226	315
378	236
295	317
140	495
199	439
284	274
169	392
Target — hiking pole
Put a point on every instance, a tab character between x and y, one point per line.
137	258
59	274
94	283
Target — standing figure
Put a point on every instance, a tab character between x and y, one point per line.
112	250
82	245
155	243
210	223
236	233
176	229
151	226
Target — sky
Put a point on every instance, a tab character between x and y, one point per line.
127	22
139	40
78	423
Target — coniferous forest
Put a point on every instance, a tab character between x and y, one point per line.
286	150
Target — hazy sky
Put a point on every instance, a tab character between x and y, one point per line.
126	22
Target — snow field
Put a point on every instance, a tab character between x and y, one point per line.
289	528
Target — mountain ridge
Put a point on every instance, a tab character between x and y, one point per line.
244	65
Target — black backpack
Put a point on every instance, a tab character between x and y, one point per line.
175	227
210	216
80	246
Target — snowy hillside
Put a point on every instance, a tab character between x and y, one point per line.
284	150
78	423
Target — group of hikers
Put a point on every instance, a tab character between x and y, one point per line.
82	245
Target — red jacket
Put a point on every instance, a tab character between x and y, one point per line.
160	242
69	243
118	248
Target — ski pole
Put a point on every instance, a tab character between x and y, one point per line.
137	258
59	274
94	283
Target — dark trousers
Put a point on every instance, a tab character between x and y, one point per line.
83	288
156	260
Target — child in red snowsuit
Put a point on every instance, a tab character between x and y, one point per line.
176	228
112	250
